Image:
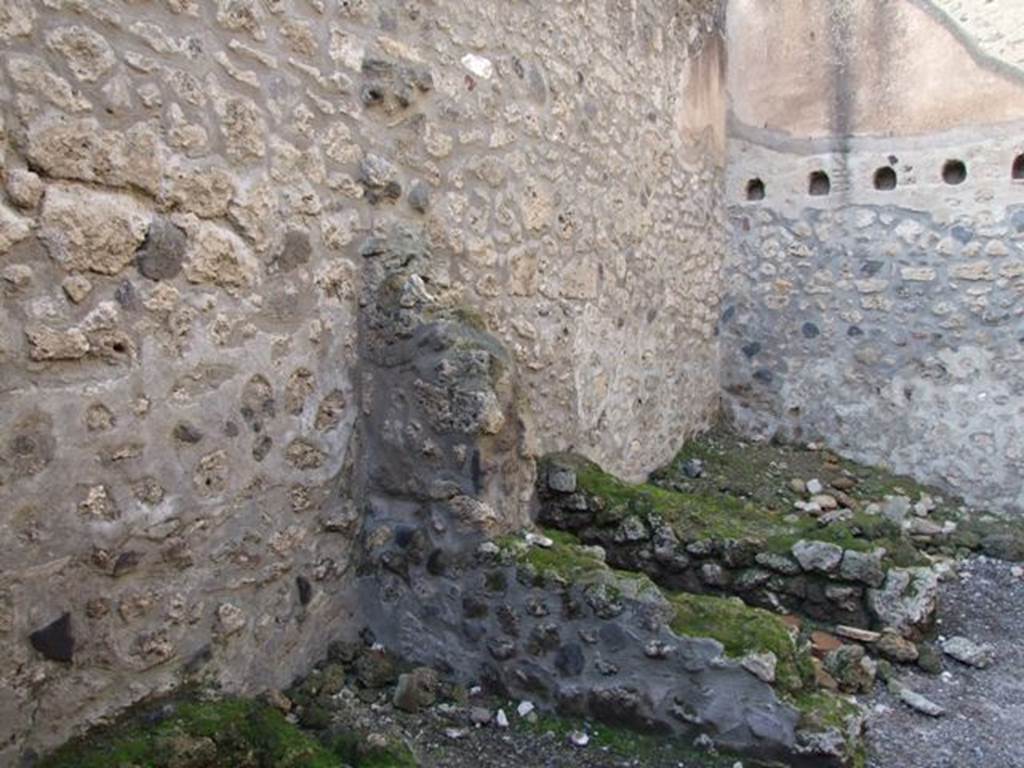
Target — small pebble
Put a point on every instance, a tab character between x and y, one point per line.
917	702
525	708
488	548
538	540
480	715
693	468
656	649
966	651
579	739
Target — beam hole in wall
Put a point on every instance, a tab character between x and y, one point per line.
1018	168
885	179
755	189
819	184
954	172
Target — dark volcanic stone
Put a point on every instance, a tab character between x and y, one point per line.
622	706
613	637
305	589
1004	547
501	649
127	296
570	660
419	197
474	607
543	638
962	234
533	677
55	641
262	447
437	562
127	562
296	251
161	253
375	669
693	468
187	433
508	620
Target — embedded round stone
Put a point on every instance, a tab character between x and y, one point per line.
161	254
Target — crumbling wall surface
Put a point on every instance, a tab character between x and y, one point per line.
191	192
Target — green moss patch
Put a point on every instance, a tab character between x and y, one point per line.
761	471
743	630
189	732
702	514
822	711
566	559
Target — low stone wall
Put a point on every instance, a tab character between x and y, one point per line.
856	586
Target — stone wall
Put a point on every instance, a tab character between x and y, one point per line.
877	267
192	190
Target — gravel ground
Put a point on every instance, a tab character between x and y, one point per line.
546	749
444	736
984	722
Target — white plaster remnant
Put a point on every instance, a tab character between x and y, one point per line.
478	65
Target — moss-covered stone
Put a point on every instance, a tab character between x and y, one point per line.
744	631
356	751
741	629
568	562
762	471
565	559
190	731
822	712
702	515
